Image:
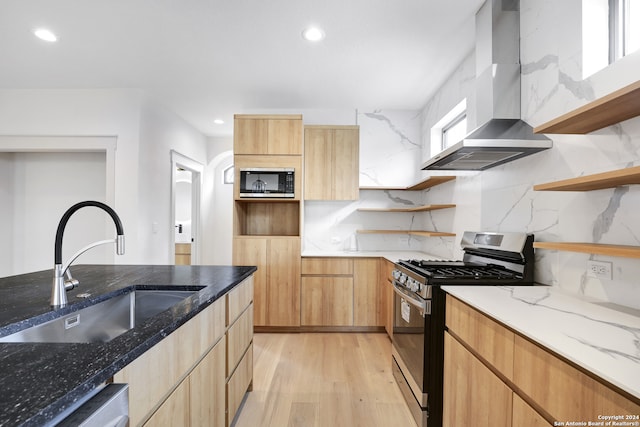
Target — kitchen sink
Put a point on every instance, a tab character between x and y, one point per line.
103	321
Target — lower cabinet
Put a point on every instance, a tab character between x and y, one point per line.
277	280
387	292
341	292
496	377
183	380
473	395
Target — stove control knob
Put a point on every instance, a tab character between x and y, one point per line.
403	278
396	274
415	285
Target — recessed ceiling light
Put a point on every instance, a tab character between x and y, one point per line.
313	34
44	34
218	121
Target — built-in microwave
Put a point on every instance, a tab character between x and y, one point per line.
267	182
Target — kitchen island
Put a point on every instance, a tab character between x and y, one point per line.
40	381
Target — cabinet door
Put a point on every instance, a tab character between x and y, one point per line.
387	295
346	164
250	136
318	158
174	411
327	301
473	395
367	299
283	289
253	251
207	389
575	395
285	137
525	416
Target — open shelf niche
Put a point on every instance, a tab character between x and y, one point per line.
429	182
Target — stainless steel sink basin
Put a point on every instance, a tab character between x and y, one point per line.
103	321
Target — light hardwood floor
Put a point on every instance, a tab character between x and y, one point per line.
323	379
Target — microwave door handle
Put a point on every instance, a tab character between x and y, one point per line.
423	307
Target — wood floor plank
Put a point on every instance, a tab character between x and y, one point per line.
323	379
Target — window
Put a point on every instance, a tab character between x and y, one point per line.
610	31
624	34
228	175
454	131
450	129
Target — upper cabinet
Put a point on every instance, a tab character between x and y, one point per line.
616	107
331	162
268	134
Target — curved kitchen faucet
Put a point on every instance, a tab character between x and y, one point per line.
60	286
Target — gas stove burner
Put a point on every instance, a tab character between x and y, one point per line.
489	259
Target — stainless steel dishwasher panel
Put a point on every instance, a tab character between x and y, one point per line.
108	408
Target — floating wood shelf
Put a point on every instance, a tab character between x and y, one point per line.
432	181
616	107
414	232
594	182
412	209
592	248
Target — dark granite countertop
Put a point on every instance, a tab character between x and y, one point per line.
42	380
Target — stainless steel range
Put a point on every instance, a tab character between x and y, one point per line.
419	310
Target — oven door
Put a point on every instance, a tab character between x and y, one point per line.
411	317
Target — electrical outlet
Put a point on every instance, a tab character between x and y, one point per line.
599	269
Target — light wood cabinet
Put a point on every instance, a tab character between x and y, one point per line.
525	416
483	358
331	162
239	366
344	292
207	389
174	411
267	134
183	254
490	340
387	294
473	395
576	395
184	379
367	295
326	301
277	281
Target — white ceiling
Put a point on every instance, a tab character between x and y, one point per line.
206	59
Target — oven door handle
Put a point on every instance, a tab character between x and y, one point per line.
424	307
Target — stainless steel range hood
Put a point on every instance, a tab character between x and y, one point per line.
503	135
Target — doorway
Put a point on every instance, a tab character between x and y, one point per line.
186	176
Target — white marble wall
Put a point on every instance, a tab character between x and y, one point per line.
390	155
551	56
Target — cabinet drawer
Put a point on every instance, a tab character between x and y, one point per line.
328	266
565	392
238	384
239	299
489	339
239	337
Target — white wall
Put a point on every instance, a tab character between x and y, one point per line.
6	212
217	203
45	185
145	135
160	132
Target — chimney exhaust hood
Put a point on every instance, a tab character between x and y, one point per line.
503	135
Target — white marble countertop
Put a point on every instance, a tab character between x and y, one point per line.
392	256
602	340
